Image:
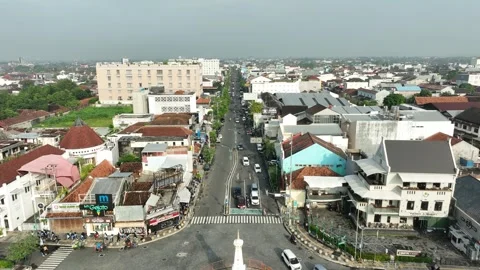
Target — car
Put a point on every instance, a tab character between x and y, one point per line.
257	168
236	191
241	202
259	147
291	260
319	267
255	198
240	147
245	161
237	120
254	187
219	138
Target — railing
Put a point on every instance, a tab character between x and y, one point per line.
388	209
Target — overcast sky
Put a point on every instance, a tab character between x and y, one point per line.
159	29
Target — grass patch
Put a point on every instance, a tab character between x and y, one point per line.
93	116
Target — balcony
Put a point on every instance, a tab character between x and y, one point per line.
359	202
389	210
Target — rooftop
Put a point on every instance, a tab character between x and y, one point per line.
80	136
454	106
310	99
298	176
470	115
445	99
439	136
467	192
407	88
301	142
136	197
155	148
24	116
409	116
7	143
316	129
171	119
106	185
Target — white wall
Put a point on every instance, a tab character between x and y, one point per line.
185	142
131	119
310	86
356	85
275	87
159	104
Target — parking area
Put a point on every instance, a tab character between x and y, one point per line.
435	244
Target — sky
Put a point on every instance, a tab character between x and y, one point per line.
160	29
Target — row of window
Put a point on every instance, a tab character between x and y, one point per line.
130	85
159	78
424	205
150	72
173	99
466	127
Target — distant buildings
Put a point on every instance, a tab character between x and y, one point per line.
210	67
471	78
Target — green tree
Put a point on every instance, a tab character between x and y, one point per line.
269	149
451	75
19	250
208	154
393	100
26	83
468	87
424	93
212	135
256	107
128	158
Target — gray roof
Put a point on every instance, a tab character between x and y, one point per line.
118	174
425	116
106	186
129	213
315	129
310	99
154	148
420	156
355	109
467	192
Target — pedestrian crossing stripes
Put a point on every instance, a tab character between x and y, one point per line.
237	220
55	259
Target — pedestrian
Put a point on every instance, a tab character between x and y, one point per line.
118	237
45	250
41	251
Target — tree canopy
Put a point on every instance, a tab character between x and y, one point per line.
63	93
393	100
19	250
256	107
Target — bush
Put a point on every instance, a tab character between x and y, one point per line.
418	259
6	264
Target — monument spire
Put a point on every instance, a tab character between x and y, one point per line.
238	260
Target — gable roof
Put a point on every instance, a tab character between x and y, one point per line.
439	136
65	172
103	169
446	99
24	116
136	197
9	169
203	100
133	128
155	131
80	136
435	156
452	106
315	109
171	119
298	176
470	115
466	193
301	142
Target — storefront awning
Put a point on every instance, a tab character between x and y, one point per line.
156	213
184	195
370	166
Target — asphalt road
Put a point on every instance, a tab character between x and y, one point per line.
197	247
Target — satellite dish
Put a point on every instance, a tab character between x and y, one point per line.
41	206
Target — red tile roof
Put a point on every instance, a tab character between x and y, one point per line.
9	169
133	128
452	106
172	119
298	176
203	101
103	169
439	136
156	131
301	142
141	186
179	92
64	215
133	167
24	116
80	137
313	78
136	197
446	99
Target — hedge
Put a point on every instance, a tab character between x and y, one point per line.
6	264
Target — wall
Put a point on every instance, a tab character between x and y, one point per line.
130	119
356	85
466	223
142	144
22	208
464	150
112	155
310	86
315	155
159	104
338	141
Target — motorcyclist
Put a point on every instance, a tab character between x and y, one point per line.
292	238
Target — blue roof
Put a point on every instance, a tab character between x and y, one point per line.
412	87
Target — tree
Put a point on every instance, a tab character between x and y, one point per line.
19	250
269	149
393	100
256	107
424	93
451	75
128	158
208	154
212	136
468	87
26	83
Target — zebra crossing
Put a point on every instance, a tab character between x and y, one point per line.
237	220
56	258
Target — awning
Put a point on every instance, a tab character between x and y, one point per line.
155	221
426	178
356	184
370	166
16	191
184	195
159	212
320	182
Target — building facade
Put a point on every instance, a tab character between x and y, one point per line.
118	81
264	85
210	67
165	103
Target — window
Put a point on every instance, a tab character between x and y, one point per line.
14	197
173	143
410	205
438	206
422	186
110	97
129	85
159	72
188	72
403	220
109	85
464	126
119	85
130	98
148	72
179	85
388	219
436	185
128	72
109	78
108	72
129	78
169	72
139	84
406	184
475	130
179	72
188	85
38	182
188	78
2	201
27	189
120	98
170	85
159	78
378	203
377	218
326	119
118	72
424	206
450	185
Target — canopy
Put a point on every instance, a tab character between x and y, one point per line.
356	184
320	182
184	195
370	166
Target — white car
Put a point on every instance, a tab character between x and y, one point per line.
254	197
237	120
246	162
291	260
257	168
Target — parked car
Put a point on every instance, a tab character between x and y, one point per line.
241	202
237	120
291	260
255	198
245	161
254	187
236	191
206	167
319	267
240	147
257	168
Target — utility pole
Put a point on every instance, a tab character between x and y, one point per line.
356	233
290	211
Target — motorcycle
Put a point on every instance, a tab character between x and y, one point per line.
293	240
77	244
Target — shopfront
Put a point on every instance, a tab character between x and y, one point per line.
163	222
102	225
130	220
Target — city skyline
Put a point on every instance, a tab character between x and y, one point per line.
90	30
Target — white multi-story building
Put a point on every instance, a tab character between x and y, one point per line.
166	103
365	132
356	85
393	190
471	78
264	85
476	62
378	96
118	81
210	67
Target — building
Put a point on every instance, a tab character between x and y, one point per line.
406	90
467	124
365	132
462	150
309	151
265	85
41	136
156	157
465	233
118	81
392	190
421	101
127	119
179	102
375	95
10	148
26	119
356	84
81	141
471	78
16	204
210	67
438	90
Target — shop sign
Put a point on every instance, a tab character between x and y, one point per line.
468	224
424	214
132	230
155	221
408	253
98	220
103	202
65	207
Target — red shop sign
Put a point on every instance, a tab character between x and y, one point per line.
155	221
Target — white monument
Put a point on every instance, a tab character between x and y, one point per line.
238	261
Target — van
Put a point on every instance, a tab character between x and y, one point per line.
291	260
254	187
254	198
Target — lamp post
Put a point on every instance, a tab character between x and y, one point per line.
289	185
